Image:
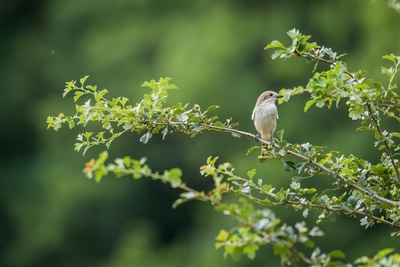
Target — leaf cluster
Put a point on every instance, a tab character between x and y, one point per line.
118	117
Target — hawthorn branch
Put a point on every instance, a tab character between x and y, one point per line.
296	252
378	129
330	62
304	205
289	152
368	104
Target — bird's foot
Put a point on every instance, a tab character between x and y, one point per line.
272	143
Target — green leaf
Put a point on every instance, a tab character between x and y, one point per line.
310	191
390	57
82	80
175	175
281	54
293	33
309	103
91	87
78	146
389	72
145	138
182	200
164	132
377	135
295	185
320	103
99	95
279	134
78	94
336	254
251	173
222	235
274	44
382	253
363	259
280	249
211	108
289	165
252	149
250	250
71	122
356	112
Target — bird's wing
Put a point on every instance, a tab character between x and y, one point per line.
253	114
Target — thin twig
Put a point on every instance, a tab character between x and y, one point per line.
296	252
378	129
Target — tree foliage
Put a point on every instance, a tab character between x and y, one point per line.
366	191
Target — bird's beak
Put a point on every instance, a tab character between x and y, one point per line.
279	96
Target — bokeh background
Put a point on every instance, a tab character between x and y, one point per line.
51	215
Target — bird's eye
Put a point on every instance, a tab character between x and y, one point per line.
270	94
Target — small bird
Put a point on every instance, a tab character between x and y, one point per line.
265	114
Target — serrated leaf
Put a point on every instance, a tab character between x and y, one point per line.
250	250
99	95
108	143
77	95
171	86
91	87
251	173
390	57
82	80
78	146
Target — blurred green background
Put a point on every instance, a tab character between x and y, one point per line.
51	215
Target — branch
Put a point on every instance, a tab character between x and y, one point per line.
290	152
333	63
296	252
378	129
368	104
305	205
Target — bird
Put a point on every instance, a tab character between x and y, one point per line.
265	114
